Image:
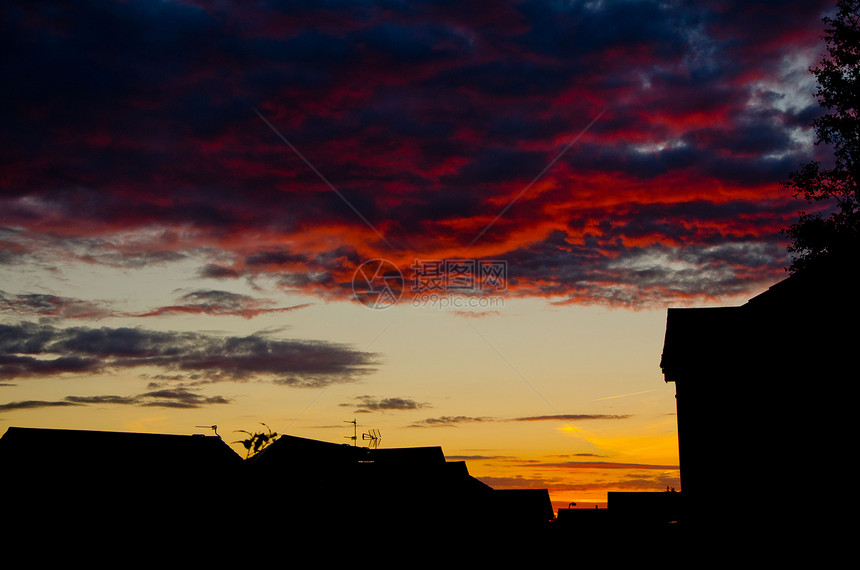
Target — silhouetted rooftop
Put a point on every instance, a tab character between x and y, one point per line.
22	447
525	504
745	374
288	450
88	479
803	310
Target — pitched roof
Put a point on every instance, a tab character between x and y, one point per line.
41	448
524	505
290	450
697	337
799	314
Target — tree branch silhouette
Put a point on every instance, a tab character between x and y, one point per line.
258	441
832	232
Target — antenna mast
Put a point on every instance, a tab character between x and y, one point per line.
213	428
354	436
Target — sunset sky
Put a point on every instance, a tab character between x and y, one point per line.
191	191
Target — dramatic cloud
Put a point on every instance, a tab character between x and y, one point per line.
29	350
626	153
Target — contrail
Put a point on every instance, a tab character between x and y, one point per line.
625	395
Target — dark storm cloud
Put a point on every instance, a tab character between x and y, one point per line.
29	350
574	30
427	117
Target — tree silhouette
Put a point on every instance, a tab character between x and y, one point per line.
833	231
256	442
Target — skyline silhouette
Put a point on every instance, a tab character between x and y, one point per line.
460	225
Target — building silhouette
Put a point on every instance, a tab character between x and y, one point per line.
124	487
413	489
70	482
761	392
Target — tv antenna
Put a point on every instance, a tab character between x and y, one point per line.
373	436
354	436
213	428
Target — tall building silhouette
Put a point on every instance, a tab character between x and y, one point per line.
762	392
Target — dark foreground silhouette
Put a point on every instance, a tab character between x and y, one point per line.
194	495
763	393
